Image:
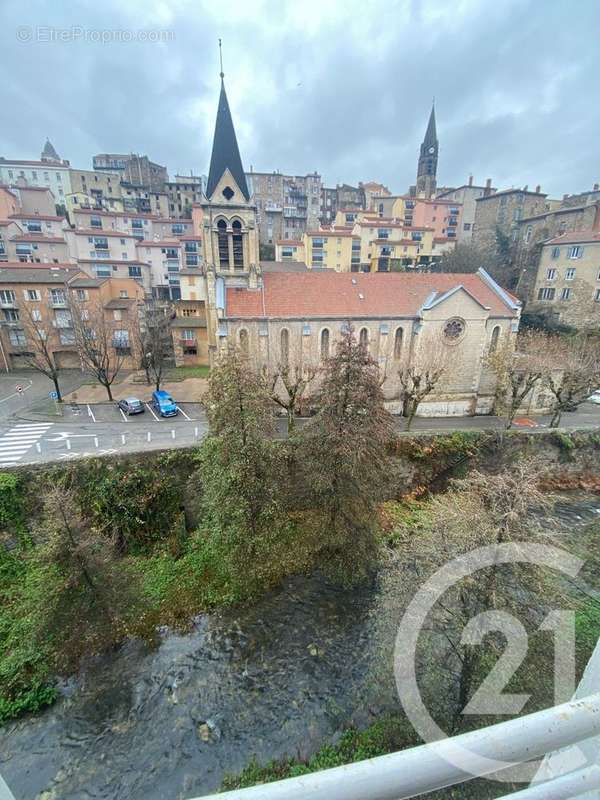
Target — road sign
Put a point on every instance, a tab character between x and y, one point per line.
19	388
53	395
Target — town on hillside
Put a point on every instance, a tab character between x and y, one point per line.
176	272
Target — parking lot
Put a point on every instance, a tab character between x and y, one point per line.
110	413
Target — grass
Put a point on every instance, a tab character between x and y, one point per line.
386	735
181	373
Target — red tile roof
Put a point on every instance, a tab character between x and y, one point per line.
296	242
338	294
576	237
102	232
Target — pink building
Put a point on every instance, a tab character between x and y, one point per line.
444	216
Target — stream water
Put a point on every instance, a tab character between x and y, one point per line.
277	678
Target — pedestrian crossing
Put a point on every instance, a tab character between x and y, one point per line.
19	439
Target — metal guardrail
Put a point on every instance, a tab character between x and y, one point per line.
418	770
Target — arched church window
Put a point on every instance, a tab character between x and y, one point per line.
223	242
285	347
363	338
238	246
244	347
494	339
325	343
398	344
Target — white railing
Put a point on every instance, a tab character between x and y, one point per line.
418	770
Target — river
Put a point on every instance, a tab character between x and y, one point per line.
276	678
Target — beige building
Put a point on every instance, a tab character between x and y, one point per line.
50	171
567	284
182	193
400	317
94	190
40	296
286	205
502	212
163	256
467	196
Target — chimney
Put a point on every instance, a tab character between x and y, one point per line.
470	180
488	187
596	187
538	189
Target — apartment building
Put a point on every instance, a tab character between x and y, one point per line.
466	196
163	256
133	169
502	212
141	226
142	200
95	190
50	171
290	250
189	333
567	283
286	205
37	299
182	193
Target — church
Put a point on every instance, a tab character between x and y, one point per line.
279	316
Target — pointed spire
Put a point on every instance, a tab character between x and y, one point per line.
49	153
430	133
225	151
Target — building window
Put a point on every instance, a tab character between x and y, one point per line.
570	274
33	295
566	294
36	315
135	272
398	343
285	347
550	274
244	346
454	329
238	247
555	252
81	294
223	243
363	338
528	233
325	343
7	297
17	338
597	297
494	339
546	293
575	252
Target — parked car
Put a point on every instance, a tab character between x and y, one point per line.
131	405
595	397
164	404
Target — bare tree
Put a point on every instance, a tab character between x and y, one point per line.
518	370
295	382
420	376
40	351
152	333
572	372
102	346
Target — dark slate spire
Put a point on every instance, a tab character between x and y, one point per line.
49	153
225	151
430	134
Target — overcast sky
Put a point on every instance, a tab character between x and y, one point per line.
343	88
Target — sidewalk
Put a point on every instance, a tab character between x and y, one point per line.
189	389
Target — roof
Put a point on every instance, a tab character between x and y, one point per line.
557	211
354	294
576	237
37	237
100	232
87	282
225	151
120	303
36	274
509	191
430	133
121	262
45	217
46	164
296	242
49	152
159	243
283	266
333	233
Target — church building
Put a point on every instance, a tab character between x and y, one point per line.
287	317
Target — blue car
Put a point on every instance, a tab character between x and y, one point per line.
164	404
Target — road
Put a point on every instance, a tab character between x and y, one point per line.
102	429
35	388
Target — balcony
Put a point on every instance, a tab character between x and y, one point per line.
273	207
8	303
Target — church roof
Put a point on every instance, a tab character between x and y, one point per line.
225	151
49	152
431	134
352	295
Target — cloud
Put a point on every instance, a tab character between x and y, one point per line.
343	88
